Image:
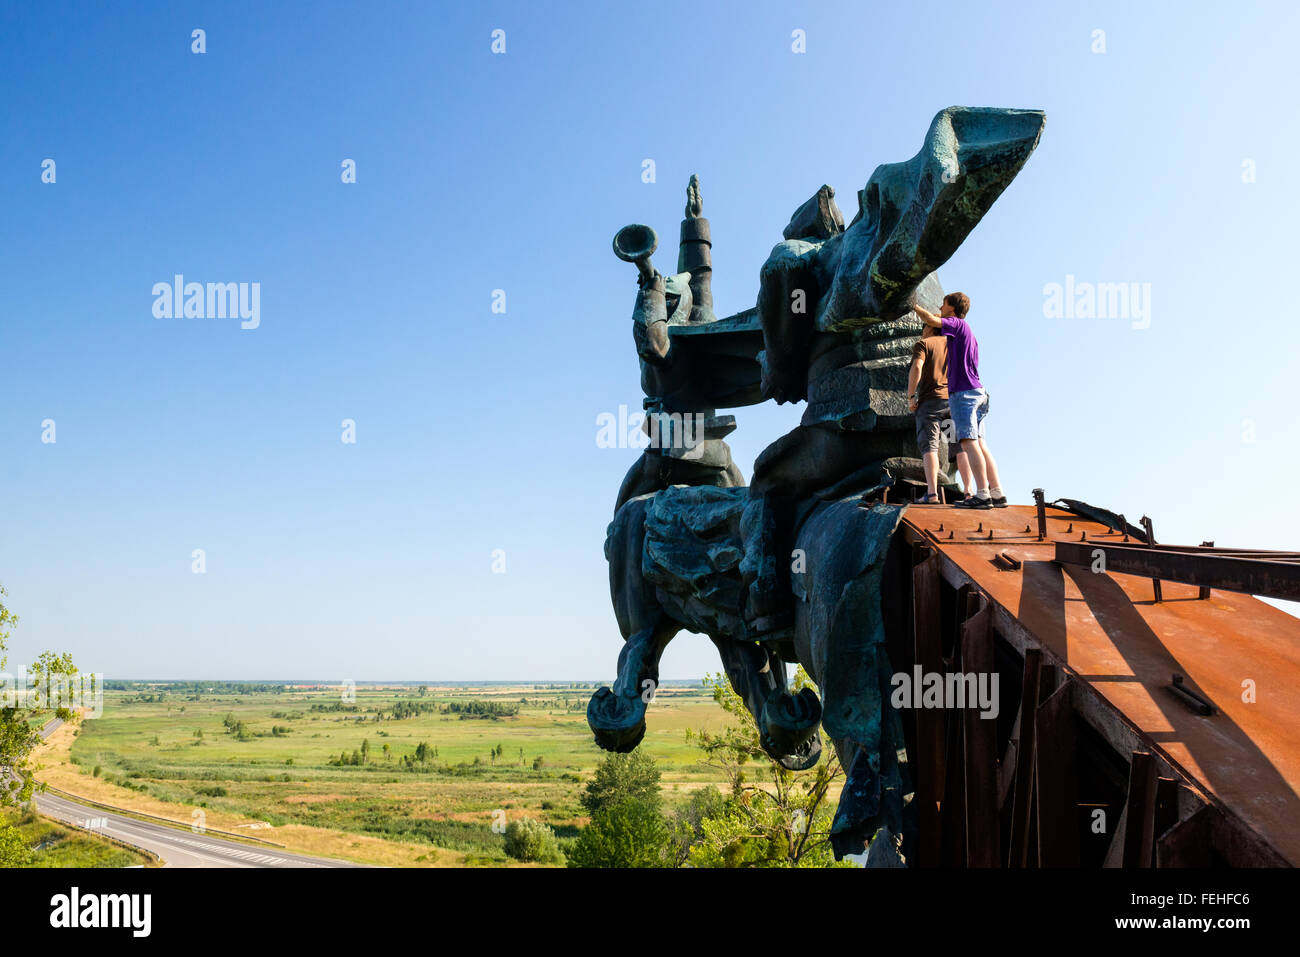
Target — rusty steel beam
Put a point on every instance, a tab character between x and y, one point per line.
1056	798
1151	542
1166	815
1208	548
983	841
952	813
1140	811
1254	576
930	745
1022	793
1205	592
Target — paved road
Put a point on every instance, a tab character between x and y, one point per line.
177	848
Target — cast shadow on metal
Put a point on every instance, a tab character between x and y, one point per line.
789	569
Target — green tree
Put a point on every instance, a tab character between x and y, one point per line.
622	776
771	817
55	673
627	833
8	620
17	738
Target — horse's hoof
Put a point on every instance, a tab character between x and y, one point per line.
788	728
618	723
808	754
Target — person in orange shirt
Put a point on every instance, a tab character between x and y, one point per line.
927	397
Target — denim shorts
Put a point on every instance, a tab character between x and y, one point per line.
968	411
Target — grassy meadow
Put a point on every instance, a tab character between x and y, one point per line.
399	775
59	845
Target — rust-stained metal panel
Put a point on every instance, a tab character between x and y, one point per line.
1124	647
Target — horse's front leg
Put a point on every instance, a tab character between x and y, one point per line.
787	723
617	716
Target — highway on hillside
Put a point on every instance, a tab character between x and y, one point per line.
176	847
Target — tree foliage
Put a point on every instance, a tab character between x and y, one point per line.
14	851
627	833
620	777
17	739
403	709
49	676
529	840
686	823
8	620
493	710
771	817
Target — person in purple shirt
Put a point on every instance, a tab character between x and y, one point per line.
968	401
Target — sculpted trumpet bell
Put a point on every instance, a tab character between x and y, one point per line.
635	242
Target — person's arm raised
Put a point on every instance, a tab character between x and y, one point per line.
929	318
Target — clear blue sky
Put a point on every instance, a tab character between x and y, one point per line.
478	172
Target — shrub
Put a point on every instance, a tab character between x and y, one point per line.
686	823
529	840
13	849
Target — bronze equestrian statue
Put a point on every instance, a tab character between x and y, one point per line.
792	568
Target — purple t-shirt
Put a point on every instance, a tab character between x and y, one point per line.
963	355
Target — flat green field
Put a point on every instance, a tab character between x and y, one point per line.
305	756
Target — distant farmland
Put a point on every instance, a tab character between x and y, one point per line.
415	775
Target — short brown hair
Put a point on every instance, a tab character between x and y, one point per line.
960	303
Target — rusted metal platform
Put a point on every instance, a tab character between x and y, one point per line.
1104	669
